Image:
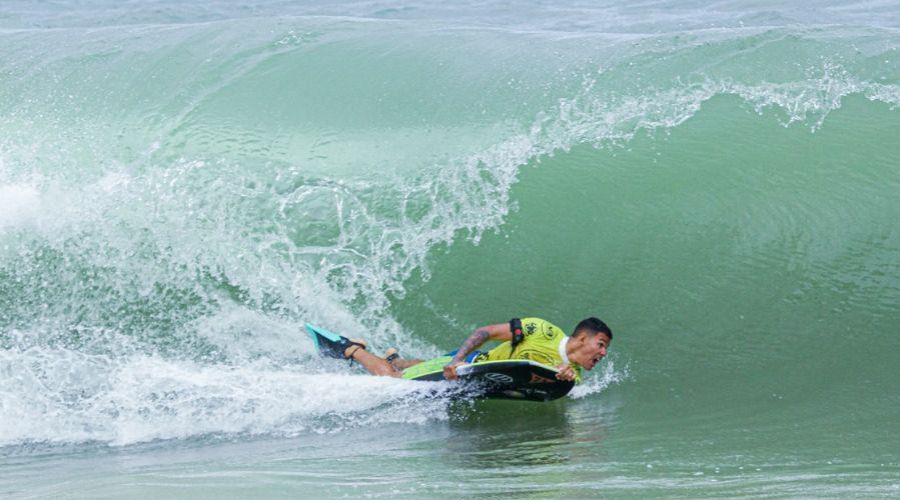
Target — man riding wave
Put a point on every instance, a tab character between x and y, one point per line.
531	339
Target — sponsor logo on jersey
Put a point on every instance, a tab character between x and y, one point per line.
536	356
549	332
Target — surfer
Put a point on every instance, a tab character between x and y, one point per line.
531	339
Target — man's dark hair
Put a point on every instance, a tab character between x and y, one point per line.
592	326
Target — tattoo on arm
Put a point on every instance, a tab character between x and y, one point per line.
473	342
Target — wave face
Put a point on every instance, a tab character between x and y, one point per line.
181	187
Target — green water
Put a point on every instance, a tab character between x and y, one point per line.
182	187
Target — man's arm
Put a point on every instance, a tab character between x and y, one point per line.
500	331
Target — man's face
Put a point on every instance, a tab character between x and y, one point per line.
590	350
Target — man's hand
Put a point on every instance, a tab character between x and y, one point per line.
565	372
450	370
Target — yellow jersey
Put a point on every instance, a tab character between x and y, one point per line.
543	343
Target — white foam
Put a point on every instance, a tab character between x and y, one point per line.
595	383
18	204
112	181
125	400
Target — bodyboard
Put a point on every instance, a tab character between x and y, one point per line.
507	379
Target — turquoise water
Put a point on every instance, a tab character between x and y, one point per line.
181	187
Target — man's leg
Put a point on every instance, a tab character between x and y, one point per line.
375	365
378	366
393	357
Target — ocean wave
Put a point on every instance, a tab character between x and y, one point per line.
164	236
